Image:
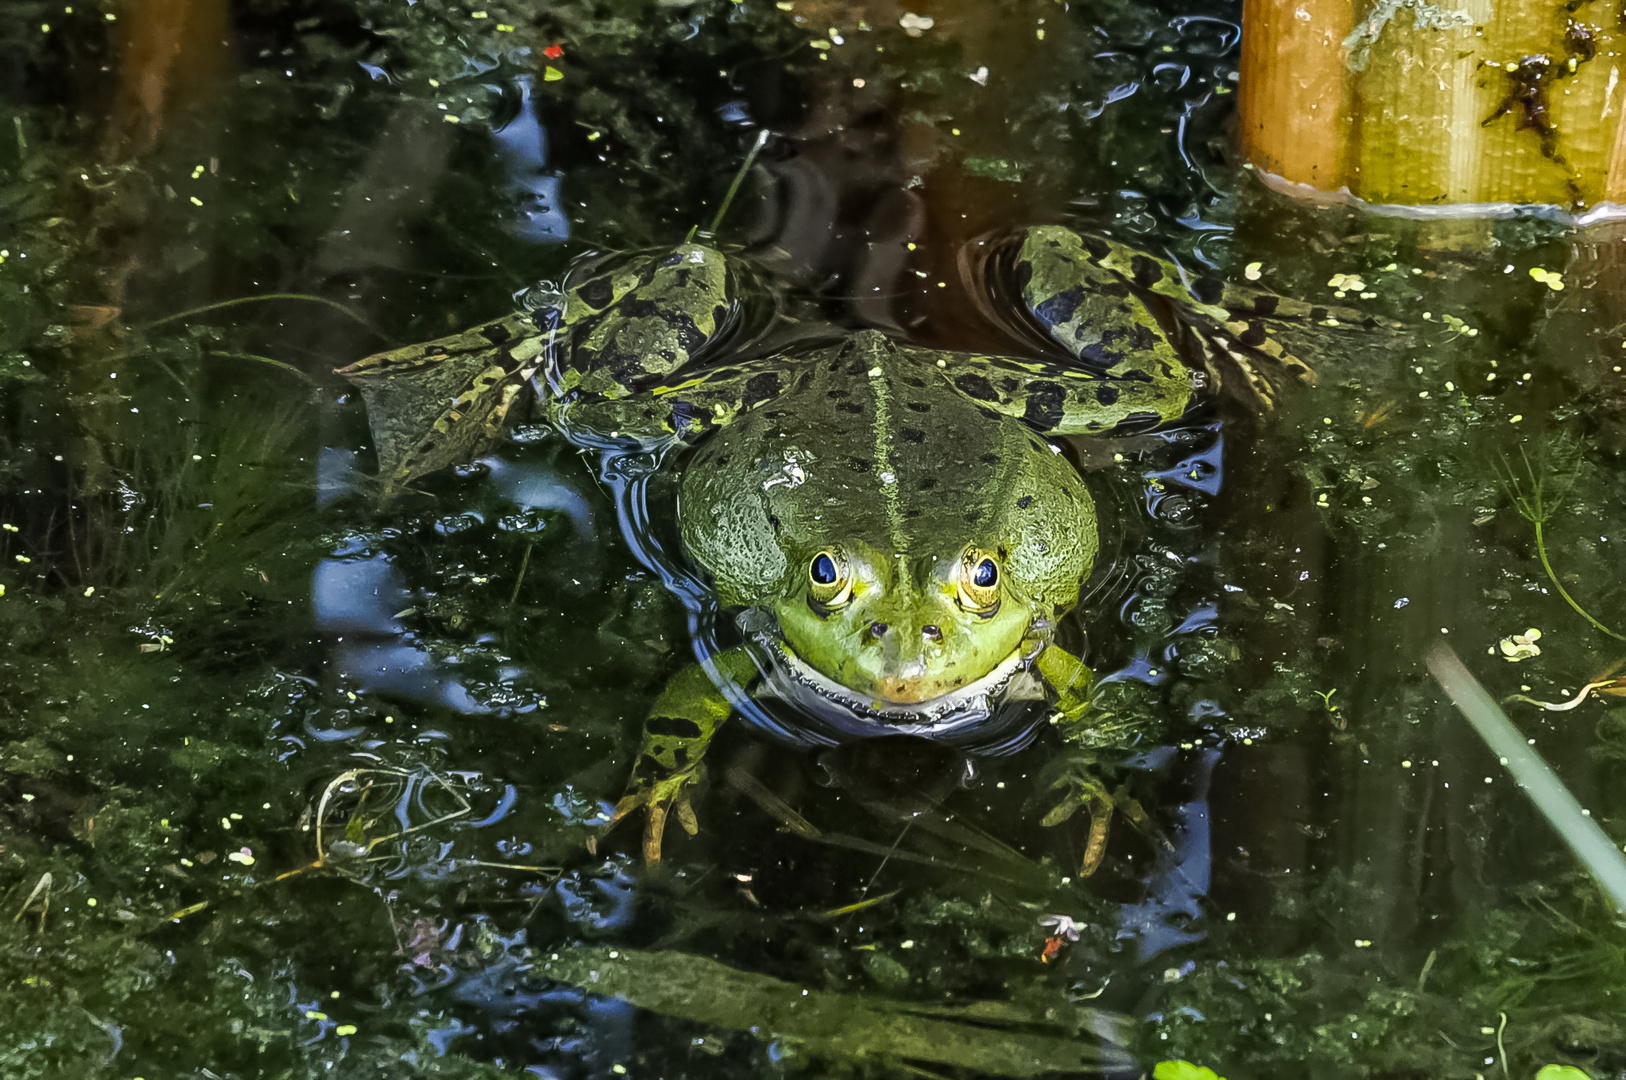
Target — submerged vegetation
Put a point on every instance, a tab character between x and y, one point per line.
294	783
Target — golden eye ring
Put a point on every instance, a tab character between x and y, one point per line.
829	582
978	585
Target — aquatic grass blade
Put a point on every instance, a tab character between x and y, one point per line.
1531	772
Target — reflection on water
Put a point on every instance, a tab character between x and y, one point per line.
293	782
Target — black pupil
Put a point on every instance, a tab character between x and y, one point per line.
986	574
824	570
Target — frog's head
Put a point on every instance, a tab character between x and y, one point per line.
905	627
901	584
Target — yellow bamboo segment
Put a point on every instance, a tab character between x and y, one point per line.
1293	117
1459	101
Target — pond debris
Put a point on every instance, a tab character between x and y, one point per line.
40	892
993	1038
1179	1069
1607	682
860	905
1343	284
1064	929
915	25
1517	647
1550	278
190	909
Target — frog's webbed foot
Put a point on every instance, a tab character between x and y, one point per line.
1084	790
661	799
443	402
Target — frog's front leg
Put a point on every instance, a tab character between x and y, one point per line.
1070	679
679	730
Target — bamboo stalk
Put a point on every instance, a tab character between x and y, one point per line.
1456	101
1293	109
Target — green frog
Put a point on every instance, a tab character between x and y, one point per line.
893	519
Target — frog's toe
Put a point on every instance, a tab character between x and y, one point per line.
1087	792
666	798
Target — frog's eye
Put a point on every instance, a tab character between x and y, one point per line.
830	583
979	581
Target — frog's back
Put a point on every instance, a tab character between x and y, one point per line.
872	443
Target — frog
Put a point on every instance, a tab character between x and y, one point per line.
897	524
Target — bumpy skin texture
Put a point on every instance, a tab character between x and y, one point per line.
914	483
873	455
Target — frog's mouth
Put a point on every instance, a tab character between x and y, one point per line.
796	682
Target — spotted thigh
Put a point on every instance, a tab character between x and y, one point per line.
1063	399
632	321
1116	307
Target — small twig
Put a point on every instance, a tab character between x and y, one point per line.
733	189
1580	696
519	579
334	304
42	892
1501	1051
284	365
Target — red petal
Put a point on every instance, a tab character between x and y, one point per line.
553	52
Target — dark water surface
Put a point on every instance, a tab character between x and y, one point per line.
296	784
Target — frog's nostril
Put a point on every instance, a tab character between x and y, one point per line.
876	629
932	633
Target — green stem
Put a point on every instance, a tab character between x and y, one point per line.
260	360
520	580
1541	550
733	188
256	299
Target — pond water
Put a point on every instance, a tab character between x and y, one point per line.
296	781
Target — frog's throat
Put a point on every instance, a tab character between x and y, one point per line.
796	682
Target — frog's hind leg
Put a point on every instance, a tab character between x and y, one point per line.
634	321
443	402
1099	298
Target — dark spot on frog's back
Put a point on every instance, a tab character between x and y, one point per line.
860	465
851	407
912	435
1147	271
989	459
1208	289
1266	304
676	726
918	406
1024	502
1046	401
1254	335
1096	246
761	388
1106	394
1059	308
496	333
928	483
596	293
976	386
